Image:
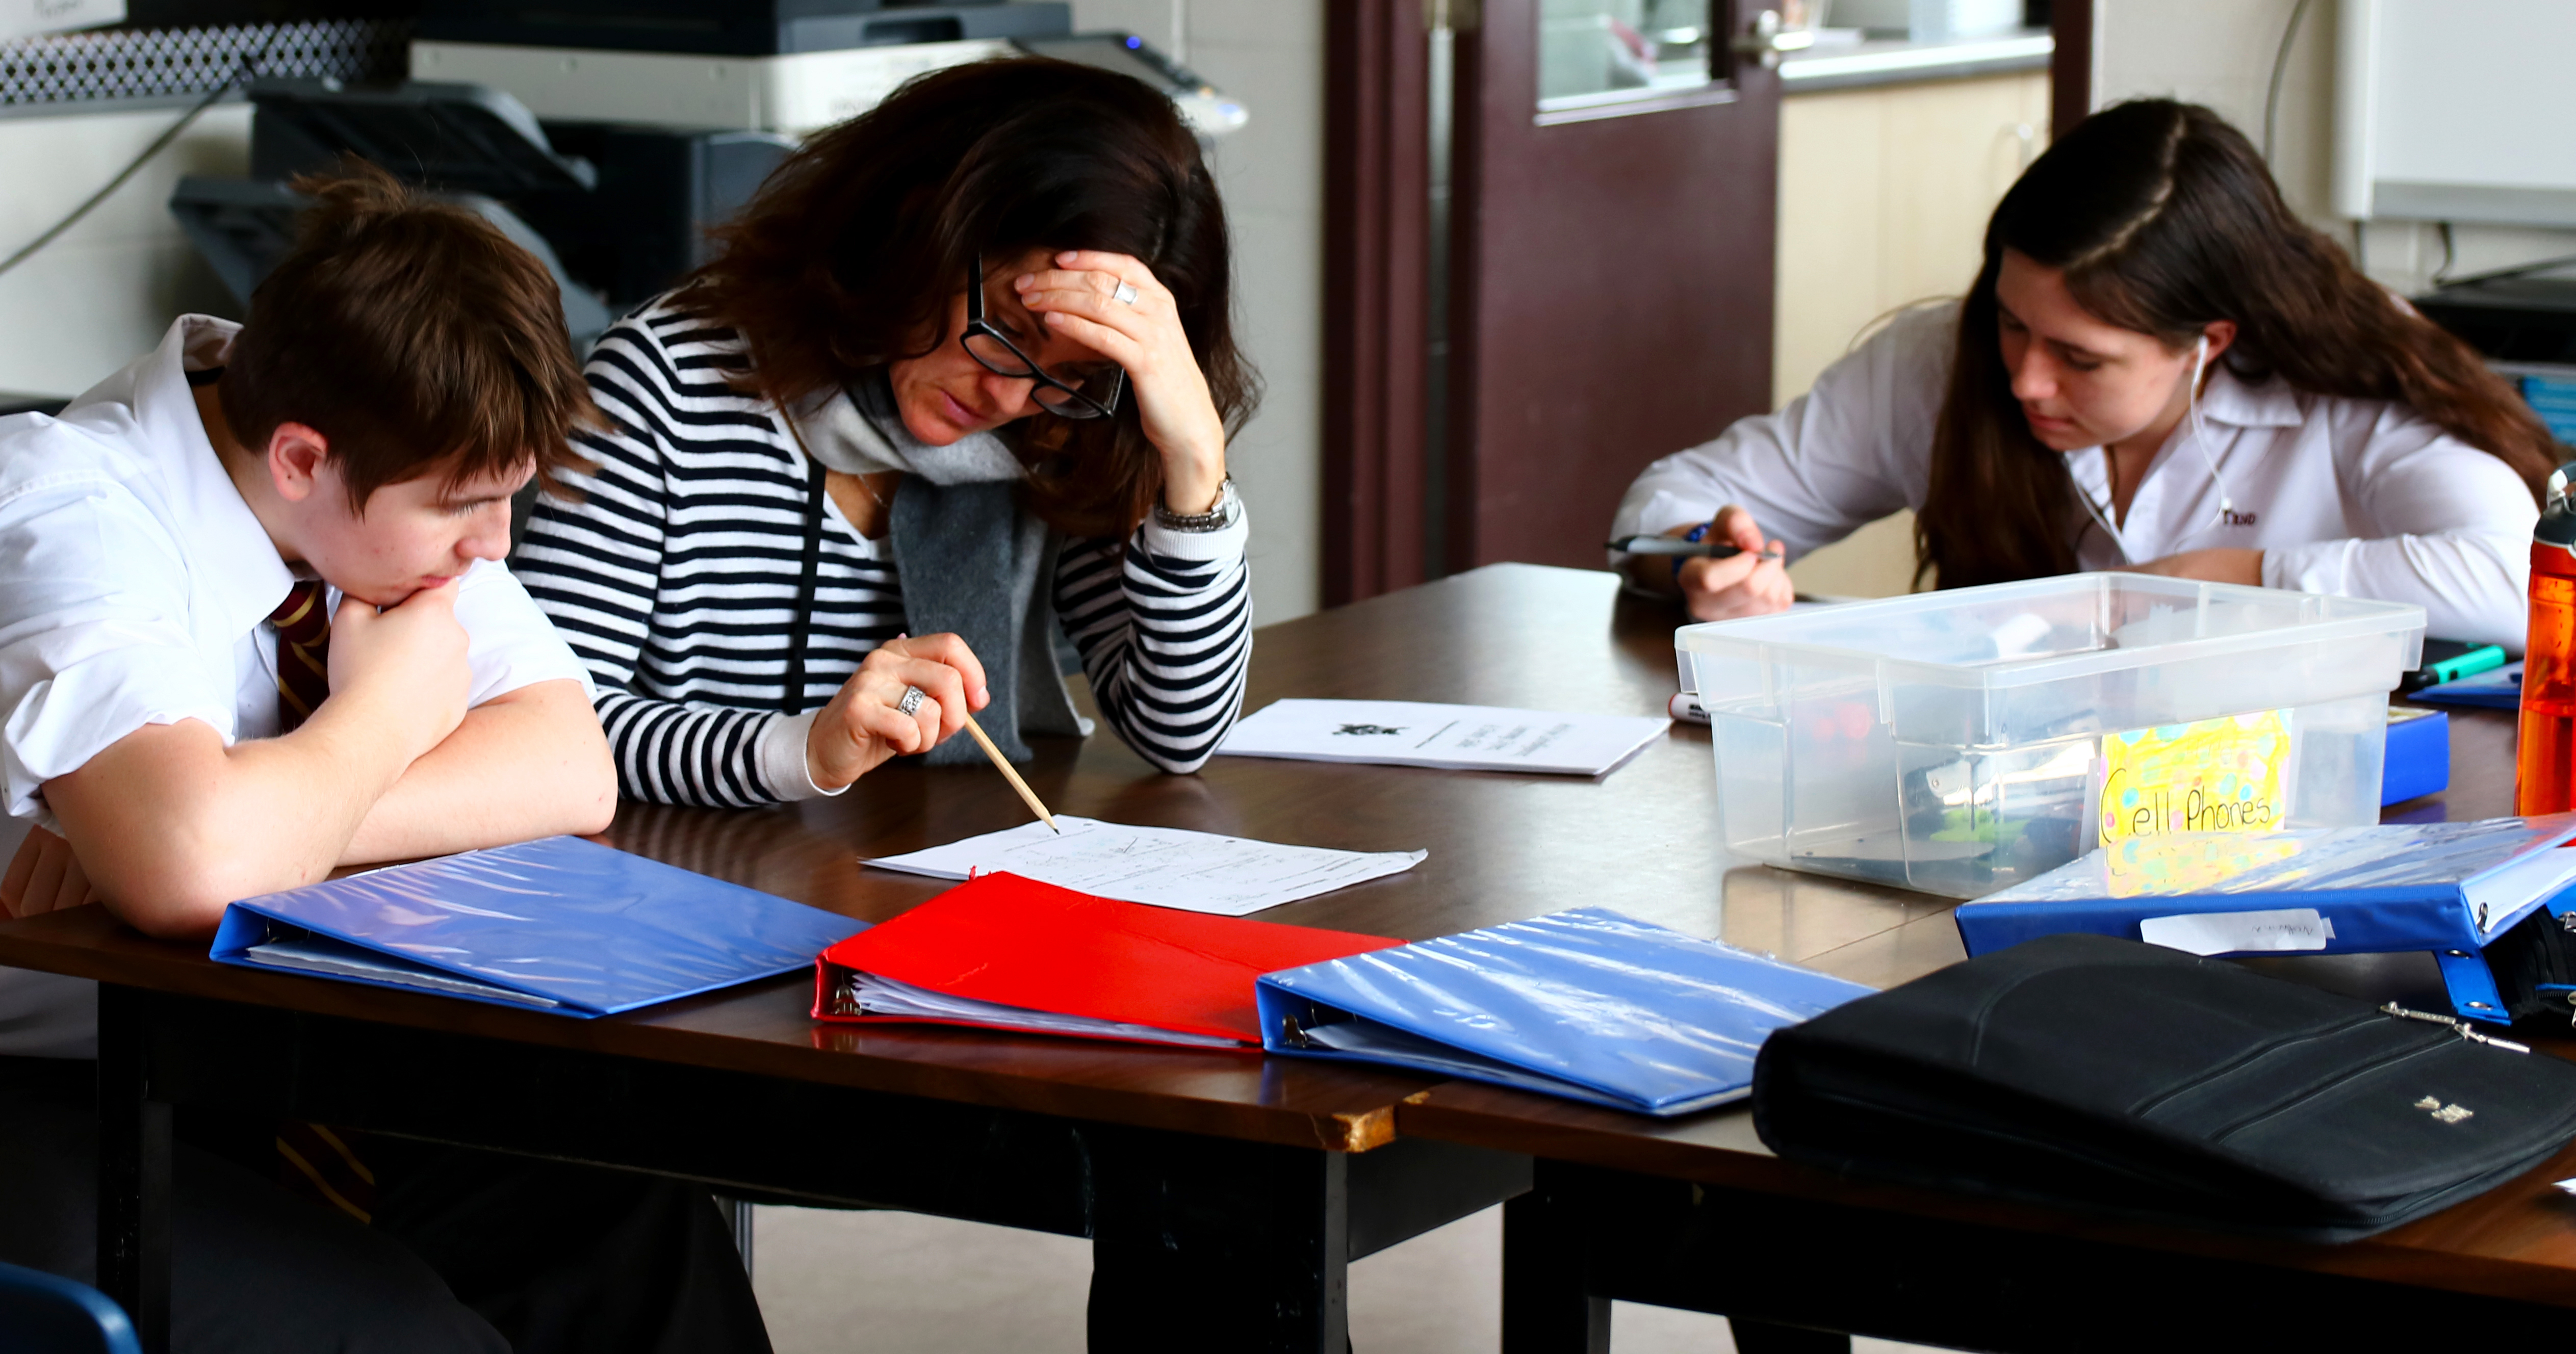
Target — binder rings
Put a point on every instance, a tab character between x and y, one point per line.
1004	952
1586	1004
2462	891
558	924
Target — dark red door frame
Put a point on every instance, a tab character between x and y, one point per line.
1570	363
2070	65
1376	295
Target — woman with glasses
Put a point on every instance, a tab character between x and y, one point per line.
956	384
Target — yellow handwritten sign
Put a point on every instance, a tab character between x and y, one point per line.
2175	865
2215	775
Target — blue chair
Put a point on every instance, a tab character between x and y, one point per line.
43	1314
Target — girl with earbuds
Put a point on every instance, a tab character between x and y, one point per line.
2159	369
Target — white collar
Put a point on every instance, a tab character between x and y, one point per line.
220	538
2268	403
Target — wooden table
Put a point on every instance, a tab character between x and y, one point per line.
1225	1193
1696	1213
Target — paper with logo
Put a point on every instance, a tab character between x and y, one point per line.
1163	866
1444	737
2229	774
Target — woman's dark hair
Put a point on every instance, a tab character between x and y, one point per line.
853	248
2164	219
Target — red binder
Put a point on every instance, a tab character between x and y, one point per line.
1004	952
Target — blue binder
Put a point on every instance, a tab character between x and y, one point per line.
1586	1004
558	924
2447	888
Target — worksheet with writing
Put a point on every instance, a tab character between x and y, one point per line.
1162	866
1448	737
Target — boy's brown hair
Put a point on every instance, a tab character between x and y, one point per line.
413	336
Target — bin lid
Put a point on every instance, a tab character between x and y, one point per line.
2009	634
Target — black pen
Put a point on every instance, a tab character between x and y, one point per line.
1676	547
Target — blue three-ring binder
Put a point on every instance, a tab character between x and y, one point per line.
1587	1004
558	924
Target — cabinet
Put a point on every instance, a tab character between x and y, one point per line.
1884	195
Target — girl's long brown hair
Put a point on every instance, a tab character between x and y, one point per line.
2164	219
851	251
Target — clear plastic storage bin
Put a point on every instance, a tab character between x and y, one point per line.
1953	742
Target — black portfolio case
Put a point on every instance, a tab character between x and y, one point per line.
2102	1073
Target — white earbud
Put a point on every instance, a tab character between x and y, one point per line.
2199	435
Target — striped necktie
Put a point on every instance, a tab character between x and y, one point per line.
313	1159
303	623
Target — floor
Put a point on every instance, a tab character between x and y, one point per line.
834	1282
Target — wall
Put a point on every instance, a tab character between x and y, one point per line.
1270	54
1883	199
102	294
2220	52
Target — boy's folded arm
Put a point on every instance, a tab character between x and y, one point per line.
528	763
171	824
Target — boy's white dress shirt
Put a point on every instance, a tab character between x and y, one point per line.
2363	498
135	589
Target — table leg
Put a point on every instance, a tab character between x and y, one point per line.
133	1170
1547	1306
1202	1244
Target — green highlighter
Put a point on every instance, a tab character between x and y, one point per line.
2449	661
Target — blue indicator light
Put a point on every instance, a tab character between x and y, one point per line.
1134	42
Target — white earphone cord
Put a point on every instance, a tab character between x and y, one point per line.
2200	435
2199	438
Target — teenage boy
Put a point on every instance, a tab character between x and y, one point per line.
252	627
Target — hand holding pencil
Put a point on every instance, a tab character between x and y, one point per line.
1750	579
909	695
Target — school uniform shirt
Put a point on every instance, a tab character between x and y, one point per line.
135	589
2361	498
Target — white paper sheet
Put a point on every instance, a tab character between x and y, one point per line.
1163	866
321	954
1446	737
880	995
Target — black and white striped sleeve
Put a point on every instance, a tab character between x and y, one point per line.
1165	630
595	563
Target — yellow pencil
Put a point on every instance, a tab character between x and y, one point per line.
1003	765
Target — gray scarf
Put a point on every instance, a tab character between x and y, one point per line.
858	431
956	531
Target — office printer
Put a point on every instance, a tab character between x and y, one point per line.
790	66
616	213
611	162
2524	321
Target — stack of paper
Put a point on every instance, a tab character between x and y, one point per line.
1448	737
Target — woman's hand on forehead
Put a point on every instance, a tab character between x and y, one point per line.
1114	305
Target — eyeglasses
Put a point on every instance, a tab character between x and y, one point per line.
1061	395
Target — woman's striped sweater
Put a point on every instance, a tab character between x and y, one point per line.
675	575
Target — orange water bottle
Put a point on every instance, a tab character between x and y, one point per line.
2545	765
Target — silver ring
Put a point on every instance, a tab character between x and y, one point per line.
1125	295
913	696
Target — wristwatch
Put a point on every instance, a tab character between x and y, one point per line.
1228	507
